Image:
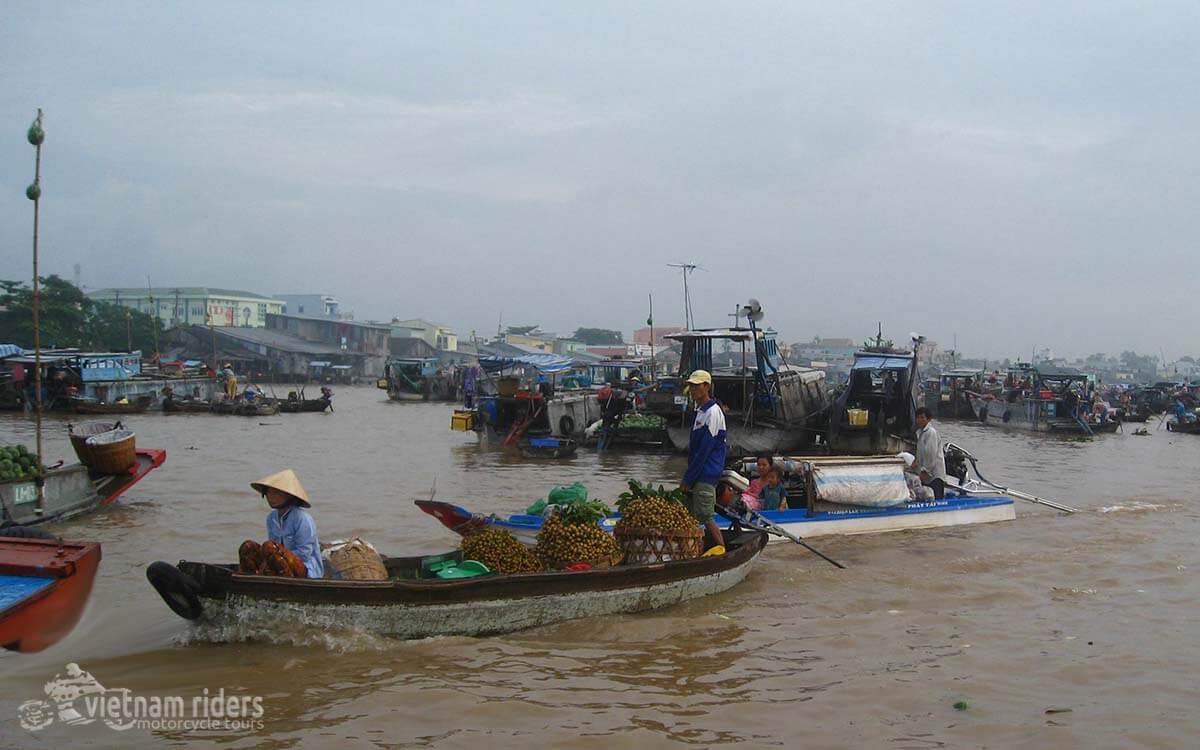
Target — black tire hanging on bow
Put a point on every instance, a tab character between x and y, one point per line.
566	425
177	589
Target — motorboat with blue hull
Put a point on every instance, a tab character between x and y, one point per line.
825	519
827	495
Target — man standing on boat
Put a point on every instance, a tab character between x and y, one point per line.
706	454
930	459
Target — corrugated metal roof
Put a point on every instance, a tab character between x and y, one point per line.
327	319
283	341
168	292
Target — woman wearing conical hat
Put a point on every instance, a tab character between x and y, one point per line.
288	523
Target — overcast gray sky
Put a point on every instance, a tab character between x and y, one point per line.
1013	174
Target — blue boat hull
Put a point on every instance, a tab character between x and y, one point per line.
952	511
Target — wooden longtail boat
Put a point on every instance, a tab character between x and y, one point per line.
266	407
1190	428
415	604
44	586
136	405
186	405
295	406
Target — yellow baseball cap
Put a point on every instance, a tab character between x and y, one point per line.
699	376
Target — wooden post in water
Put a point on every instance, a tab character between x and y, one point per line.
36	136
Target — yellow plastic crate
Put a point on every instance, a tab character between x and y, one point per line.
858	417
462	421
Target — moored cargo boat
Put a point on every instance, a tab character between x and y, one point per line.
770	405
1040	398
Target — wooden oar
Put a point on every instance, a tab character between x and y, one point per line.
1015	493
754	519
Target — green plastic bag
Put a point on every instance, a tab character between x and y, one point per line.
572	493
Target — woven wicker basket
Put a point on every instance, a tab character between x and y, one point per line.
112	452
655	545
357	560
81	432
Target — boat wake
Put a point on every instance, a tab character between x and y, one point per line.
1138	507
250	621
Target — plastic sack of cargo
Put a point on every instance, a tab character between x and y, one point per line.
571	493
869	484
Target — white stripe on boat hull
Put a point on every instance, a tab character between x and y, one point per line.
872	525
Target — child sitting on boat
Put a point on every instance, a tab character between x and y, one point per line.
762	465
292	548
773	494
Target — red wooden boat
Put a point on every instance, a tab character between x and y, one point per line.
44	586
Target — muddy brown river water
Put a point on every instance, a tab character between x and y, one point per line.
1051	631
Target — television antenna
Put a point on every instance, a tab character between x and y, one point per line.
686	268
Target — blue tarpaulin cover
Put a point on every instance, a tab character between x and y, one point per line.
10	350
547	363
882	362
15	588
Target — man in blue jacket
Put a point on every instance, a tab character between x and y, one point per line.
706	454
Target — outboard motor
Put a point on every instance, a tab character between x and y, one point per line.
956	462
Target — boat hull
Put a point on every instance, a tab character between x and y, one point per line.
186	406
137	406
750	441
405	396
953	511
72	491
1035	415
470	607
306	405
42	592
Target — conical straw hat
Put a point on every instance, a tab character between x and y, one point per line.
284	481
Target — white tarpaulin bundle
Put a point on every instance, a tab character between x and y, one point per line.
875	484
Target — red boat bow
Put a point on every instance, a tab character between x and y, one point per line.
459	520
39	616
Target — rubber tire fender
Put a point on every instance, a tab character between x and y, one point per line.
566	425
179	590
1006	416
983	413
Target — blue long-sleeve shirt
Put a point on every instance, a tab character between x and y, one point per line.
706	446
297	531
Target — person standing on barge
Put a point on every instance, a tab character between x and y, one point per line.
930	458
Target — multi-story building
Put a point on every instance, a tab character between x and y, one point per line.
194	305
541	341
440	337
311	304
368	339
